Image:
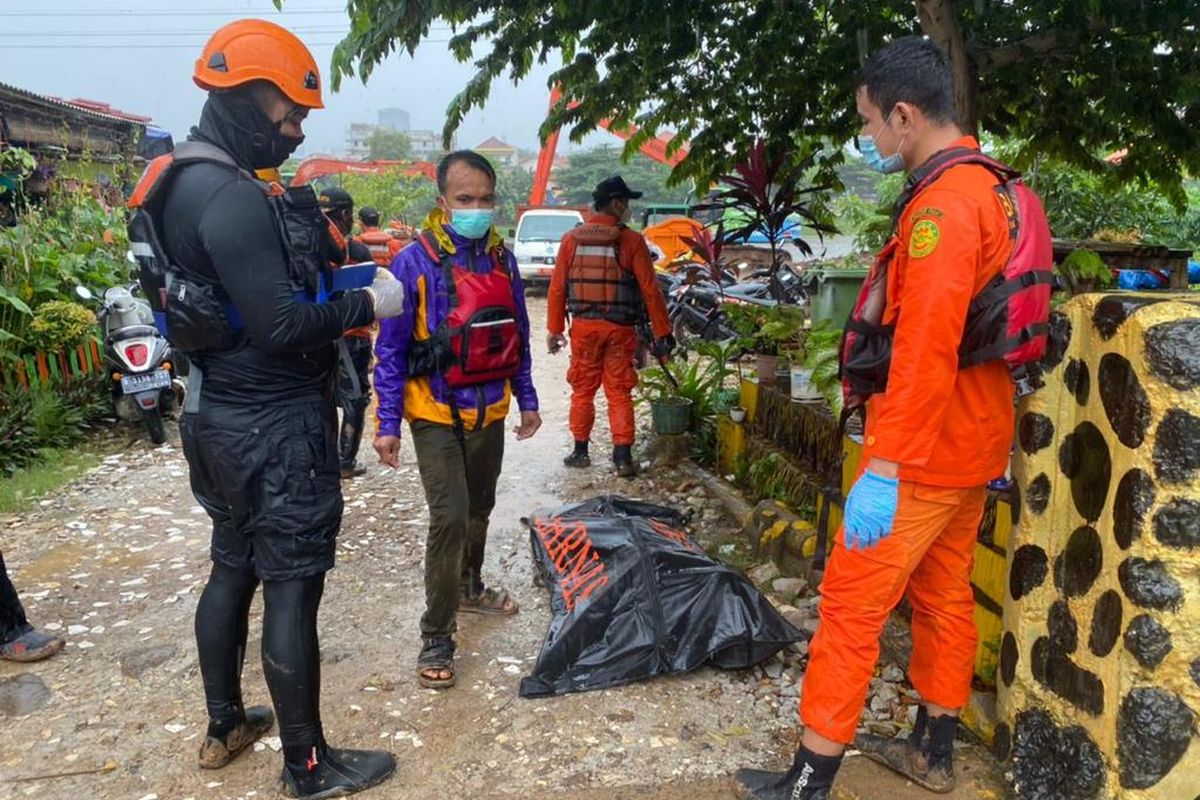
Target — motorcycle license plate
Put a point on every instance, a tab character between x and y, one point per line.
132	384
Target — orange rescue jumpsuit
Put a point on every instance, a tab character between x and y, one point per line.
950	431
383	245
603	352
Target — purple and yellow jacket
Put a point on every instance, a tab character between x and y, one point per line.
425	306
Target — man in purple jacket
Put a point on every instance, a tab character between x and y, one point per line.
450	364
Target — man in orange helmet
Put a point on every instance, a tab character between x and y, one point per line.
604	277
243	301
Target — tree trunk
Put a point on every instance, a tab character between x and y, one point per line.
939	21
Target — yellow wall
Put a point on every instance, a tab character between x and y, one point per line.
1100	662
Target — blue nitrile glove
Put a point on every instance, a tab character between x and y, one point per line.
870	510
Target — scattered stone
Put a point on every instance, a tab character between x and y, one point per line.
789	587
22	695
135	663
763	573
892	674
774	669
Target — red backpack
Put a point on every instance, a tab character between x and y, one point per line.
1007	321
480	339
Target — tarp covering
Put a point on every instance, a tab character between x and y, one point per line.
632	595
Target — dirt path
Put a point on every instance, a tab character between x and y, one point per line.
116	562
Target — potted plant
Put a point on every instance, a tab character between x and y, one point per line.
737	414
1083	271
768	197
821	362
768	332
681	393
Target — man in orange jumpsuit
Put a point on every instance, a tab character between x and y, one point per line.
604	278
381	244
933	440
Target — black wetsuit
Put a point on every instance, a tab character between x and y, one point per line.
261	445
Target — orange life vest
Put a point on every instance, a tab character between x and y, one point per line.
598	286
381	244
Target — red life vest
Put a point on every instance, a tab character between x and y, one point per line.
1007	321
480	339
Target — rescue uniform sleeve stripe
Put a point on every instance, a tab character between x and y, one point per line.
141	249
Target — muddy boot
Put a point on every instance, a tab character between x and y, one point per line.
217	751
926	757
580	458
810	778
353	471
33	645
330	772
623	461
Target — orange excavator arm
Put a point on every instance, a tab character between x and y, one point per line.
651	148
312	168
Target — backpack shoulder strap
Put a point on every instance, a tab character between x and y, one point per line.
937	166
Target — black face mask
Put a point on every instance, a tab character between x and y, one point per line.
259	139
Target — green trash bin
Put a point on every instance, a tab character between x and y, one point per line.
834	294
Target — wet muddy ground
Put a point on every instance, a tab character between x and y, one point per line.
116	561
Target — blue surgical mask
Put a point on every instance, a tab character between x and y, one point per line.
877	162
472	223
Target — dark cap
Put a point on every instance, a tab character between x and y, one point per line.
613	188
335	197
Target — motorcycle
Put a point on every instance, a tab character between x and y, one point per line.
140	358
696	303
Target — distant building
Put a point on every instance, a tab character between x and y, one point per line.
498	152
427	145
395	119
76	130
357	140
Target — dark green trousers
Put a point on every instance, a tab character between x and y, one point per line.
460	489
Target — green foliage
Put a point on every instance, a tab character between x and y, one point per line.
513	187
821	356
17	162
385	144
396	196
697	379
74	240
60	324
588	167
767	479
42	417
869	221
768	330
723	74
1084	271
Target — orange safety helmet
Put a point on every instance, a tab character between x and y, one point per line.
257	50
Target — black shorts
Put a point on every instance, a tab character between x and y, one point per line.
268	476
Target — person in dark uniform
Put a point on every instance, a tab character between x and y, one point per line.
354	365
20	641
259	426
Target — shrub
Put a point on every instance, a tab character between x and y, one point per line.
60	324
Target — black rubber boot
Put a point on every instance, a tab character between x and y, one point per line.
623	460
330	772
348	442
810	778
925	757
217	751
580	458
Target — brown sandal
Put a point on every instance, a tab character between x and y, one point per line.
489	601
436	656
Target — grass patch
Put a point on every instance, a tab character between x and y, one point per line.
57	468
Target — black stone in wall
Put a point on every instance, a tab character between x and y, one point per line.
1057	672
1058	341
1124	399
1084	458
1177	447
1052	763
1078	380
1034	432
1154	728
1147	640
1173	353
1106	623
1029	568
1038	495
1177	524
1149	585
1078	565
1135	495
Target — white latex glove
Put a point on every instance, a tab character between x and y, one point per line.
387	295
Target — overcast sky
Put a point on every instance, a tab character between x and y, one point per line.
138	55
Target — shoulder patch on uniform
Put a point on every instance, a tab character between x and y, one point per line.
924	238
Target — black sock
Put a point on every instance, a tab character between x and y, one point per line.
940	745
581	448
813	771
623	453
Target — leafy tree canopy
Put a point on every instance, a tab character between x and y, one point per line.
385	144
1069	79
588	167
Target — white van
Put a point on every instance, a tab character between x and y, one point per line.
535	241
